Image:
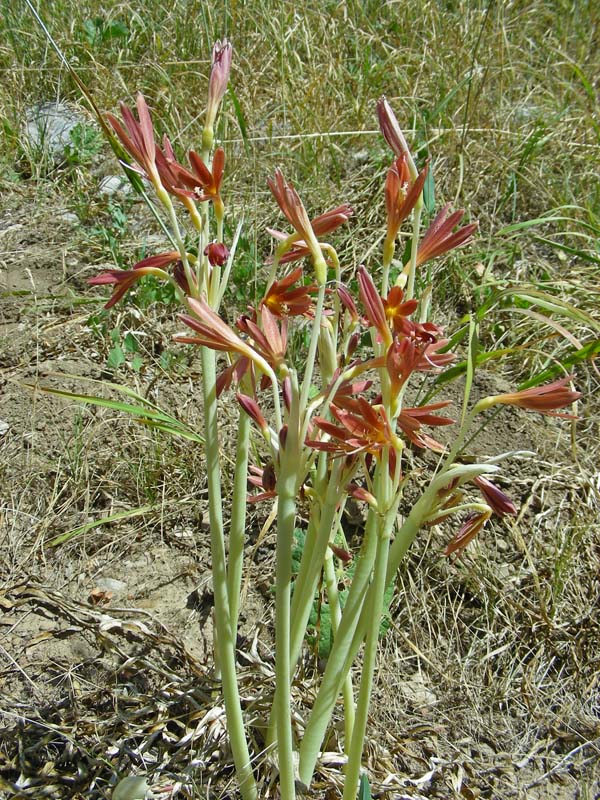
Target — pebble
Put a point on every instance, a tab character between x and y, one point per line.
114	184
112	585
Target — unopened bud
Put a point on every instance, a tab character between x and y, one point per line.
217	254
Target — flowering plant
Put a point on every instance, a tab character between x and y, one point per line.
336	419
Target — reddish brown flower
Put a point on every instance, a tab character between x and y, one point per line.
342	554
123	280
361	494
169	170
321	225
252	408
217	253
138	137
219	77
401	194
212	331
374	306
264	479
347	302
347	394
544	399
199	184
285	300
411	420
292	207
468	531
499	502
440	237
431	358
403	357
232	374
397	309
365	431
269	340
390	128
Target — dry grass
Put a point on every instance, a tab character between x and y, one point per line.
489	681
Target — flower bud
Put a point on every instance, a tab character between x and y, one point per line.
219	77
217	254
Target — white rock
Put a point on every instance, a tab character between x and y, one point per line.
47	129
114	184
134	787
112	585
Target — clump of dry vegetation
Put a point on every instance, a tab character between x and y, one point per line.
488	676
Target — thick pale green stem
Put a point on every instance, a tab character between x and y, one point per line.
375	608
312	350
287	488
311	564
335	615
332	678
410	289
286	514
237	530
305	585
165	199
226	636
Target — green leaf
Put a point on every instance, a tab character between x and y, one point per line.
429	191
115	30
91	31
586	353
364	790
241	120
134	512
116	357
130	343
137	362
142	409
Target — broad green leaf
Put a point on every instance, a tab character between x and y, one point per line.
429	191
364	790
116	357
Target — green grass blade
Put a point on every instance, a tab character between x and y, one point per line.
144	412
178	430
241	120
586	353
470	367
134	512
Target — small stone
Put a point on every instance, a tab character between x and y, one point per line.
69	217
47	130
112	585
114	184
417	692
4	427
